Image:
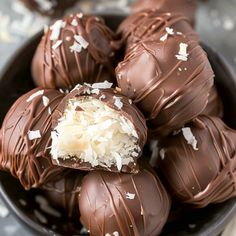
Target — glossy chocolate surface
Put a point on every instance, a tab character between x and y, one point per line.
23	154
205	174
126	204
80	48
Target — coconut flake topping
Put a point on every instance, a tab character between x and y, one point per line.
84	44
56	29
102	85
183	55
190	138
57	44
45	100
34	135
130	196
118	102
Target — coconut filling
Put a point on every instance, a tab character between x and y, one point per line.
92	132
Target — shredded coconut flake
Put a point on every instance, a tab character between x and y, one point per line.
74	22
95	91
49	111
183	55
164	37
130	196
76	47
57	44
102	85
80	15
118	102
56	29
188	135
45	100
102	97
34	135
116	233
84	44
169	31
34	95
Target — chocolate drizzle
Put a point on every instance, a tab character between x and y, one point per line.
186	7
127	204
152	25
29	160
63	191
63	67
169	94
204	176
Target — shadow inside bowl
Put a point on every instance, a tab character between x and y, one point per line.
16	80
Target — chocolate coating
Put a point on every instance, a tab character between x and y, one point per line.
49	7
63	67
130	111
29	159
169	91
186	7
128	204
204	176
152	24
63	191
215	105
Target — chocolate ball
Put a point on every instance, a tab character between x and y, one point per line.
26	138
168	80
95	127
198	163
80	48
127	204
186	7
63	191
154	25
49	7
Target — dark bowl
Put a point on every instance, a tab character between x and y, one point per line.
16	80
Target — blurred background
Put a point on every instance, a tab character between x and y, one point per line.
216	24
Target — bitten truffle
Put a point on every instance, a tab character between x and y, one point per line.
49	7
63	191
154	25
127	204
186	7
95	127
174	86
80	48
198	163
26	138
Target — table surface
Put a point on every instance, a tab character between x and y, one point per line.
216	25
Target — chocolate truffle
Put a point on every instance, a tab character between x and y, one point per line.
127	204
63	191
26	138
78	49
198	162
95	127
49	7
155	26
186	7
168	80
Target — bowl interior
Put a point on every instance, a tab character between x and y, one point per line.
16	80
